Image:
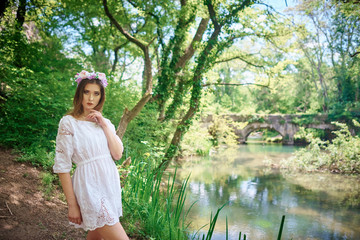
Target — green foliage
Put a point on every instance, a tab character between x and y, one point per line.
145	134
35	96
270	135
301	137
39	157
119	97
222	132
342	155
256	118
47	181
304	119
196	141
311	158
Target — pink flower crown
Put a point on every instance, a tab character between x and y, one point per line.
93	75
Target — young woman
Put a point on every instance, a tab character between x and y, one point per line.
89	140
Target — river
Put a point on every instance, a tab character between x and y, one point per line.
316	205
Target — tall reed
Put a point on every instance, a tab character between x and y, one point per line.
213	221
155	210
159	207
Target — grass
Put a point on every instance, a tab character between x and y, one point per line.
47	180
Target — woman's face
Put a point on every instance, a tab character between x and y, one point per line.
91	97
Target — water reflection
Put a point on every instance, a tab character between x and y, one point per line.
317	206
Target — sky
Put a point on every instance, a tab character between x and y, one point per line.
280	5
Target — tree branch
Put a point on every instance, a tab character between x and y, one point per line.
235	84
236	10
20	14
157	20
123	68
353	55
121	29
213	15
129	115
190	50
240	58
147	12
116	55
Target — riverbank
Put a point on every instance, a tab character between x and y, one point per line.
25	213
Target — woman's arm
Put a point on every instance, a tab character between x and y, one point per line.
74	213
115	146
114	143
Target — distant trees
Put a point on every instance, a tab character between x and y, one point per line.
330	49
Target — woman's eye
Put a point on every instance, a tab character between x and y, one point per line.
86	92
97	94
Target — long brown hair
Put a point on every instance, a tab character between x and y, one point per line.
78	98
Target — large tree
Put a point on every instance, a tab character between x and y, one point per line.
178	42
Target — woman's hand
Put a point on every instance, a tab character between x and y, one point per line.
115	145
96	116
74	214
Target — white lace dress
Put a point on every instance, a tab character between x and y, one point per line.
96	180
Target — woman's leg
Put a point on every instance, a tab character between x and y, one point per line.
94	235
114	232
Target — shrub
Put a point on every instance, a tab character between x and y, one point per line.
196	141
342	155
222	131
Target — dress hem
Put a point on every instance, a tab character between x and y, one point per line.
93	228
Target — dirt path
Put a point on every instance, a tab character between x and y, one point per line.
24	213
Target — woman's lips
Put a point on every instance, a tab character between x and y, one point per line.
89	104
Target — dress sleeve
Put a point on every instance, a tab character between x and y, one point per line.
64	147
112	127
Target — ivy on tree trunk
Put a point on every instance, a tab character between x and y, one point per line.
207	57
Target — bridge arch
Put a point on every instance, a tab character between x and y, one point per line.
248	133
287	131
287	125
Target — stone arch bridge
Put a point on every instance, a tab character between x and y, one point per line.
285	124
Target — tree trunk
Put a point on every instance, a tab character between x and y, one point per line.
3	5
169	71
190	50
116	57
203	63
175	142
20	14
130	115
323	87
20	19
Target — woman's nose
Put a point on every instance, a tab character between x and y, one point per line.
91	97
